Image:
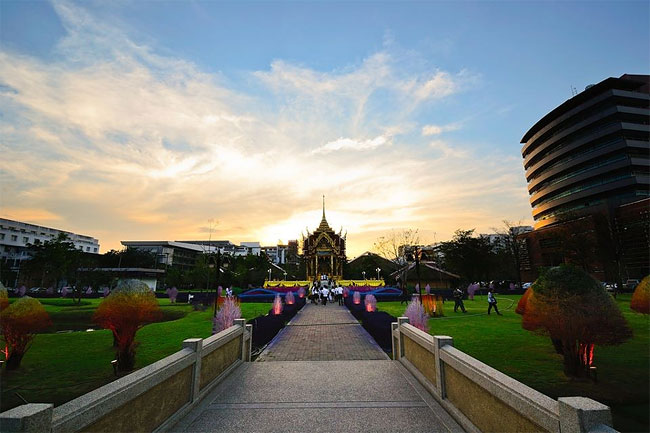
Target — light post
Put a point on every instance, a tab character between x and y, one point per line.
285	275
269	274
418	255
364	276
378	270
216	287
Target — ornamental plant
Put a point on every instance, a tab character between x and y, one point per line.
173	294
371	303
127	309
301	292
226	315
356	298
277	305
416	314
640	301
19	323
576	312
289	299
346	292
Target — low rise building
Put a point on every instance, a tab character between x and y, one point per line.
15	236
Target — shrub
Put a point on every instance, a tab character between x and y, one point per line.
521	305
226	315
572	308
19	322
640	301
346	292
131	306
416	314
427	289
289	299
371	303
4	297
301	292
356	298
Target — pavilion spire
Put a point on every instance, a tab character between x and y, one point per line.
324	226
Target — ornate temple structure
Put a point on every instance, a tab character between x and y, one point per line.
324	252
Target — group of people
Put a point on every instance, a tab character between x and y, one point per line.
327	292
458	295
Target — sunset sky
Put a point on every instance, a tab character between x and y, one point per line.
144	120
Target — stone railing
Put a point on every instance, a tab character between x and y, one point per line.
483	399
152	398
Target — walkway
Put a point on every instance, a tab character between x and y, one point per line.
322	333
327	375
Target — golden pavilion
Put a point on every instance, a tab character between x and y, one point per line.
324	252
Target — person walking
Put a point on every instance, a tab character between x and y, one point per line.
324	294
458	300
492	303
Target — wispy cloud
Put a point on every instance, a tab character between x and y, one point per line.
117	141
352	144
428	130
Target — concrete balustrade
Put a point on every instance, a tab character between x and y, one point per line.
152	398
483	399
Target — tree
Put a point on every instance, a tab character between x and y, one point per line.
127	309
53	260
129	258
570	306
468	256
19	323
512	246
392	246
640	301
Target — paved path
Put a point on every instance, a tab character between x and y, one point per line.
322	333
328	375
317	396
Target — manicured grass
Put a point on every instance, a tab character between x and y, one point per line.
61	366
500	341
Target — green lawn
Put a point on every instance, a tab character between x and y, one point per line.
499	341
61	366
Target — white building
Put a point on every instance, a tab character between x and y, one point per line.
16	235
246	248
276	254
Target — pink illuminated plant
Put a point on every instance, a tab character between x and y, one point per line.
356	298
427	289
301	292
277	305
89	291
226	315
106	291
64	292
289	299
346	292
172	293
371	303
417	316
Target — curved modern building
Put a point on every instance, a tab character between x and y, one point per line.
591	151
